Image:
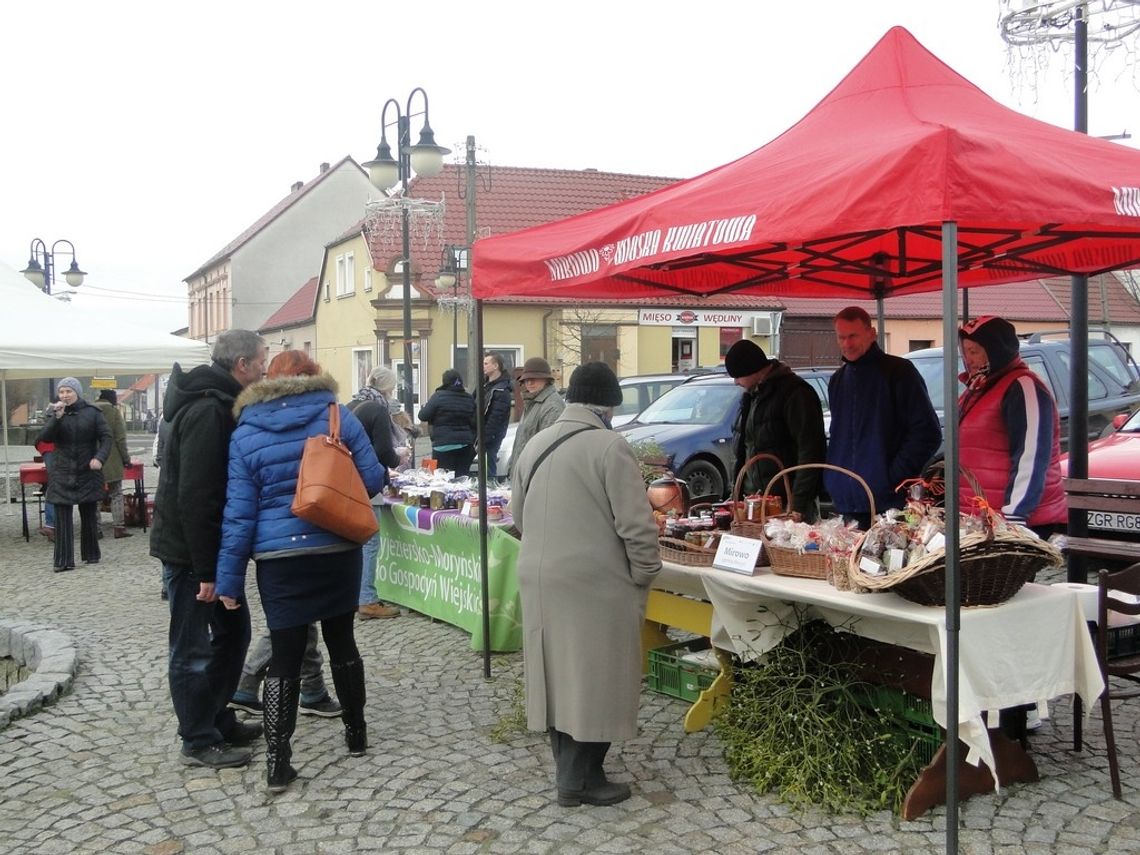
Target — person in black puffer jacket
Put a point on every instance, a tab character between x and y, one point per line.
75	477
497	397
451	413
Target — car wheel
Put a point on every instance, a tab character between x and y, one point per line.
703	478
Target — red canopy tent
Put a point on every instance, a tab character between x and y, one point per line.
904	178
851	200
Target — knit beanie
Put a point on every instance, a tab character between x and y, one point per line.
744	358
594	383
382	378
996	336
71	383
109	395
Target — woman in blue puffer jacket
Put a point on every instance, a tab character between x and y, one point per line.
304	573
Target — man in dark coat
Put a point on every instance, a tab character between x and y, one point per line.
497	396
883	426
75	474
780	414
207	642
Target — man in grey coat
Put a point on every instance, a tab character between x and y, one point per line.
588	556
542	405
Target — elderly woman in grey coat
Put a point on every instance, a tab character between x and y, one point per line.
588	556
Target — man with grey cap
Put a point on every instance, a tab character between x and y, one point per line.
542	405
780	414
588	556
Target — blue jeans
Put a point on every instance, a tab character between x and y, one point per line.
49	508
313	687
207	648
368	573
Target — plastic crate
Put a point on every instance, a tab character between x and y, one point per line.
910	718
1123	640
670	675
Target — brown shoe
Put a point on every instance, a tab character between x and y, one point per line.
377	610
48	532
120	531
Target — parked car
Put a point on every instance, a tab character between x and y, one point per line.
1109	394
692	423
1116	457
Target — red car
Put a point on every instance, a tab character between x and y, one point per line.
1117	457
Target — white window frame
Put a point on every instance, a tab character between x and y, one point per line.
363	361
345	274
367	280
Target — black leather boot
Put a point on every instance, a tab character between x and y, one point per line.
348	677
280	698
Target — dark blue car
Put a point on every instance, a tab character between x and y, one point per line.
692	423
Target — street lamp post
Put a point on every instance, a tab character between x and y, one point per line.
41	265
453	263
426	159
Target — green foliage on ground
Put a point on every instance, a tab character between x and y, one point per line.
794	727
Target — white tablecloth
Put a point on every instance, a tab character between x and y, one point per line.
1033	647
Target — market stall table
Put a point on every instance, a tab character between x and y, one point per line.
429	562
1032	647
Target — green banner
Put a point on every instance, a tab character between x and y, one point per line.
429	562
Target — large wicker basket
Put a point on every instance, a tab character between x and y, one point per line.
992	566
683	552
791	562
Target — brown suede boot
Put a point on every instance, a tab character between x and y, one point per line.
121	531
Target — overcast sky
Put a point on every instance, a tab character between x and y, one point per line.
151	134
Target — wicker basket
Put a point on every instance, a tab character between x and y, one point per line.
993	566
791	562
753	528
683	552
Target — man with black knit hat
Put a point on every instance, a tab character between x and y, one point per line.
1009	428
780	414
588	556
117	460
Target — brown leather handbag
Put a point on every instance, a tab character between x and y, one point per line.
330	492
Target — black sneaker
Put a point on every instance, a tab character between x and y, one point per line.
326	707
217	756
254	707
243	734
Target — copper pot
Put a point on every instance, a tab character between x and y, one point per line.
669	494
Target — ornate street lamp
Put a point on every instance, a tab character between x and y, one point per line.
424	158
451	268
41	265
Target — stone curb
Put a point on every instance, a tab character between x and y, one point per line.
50	653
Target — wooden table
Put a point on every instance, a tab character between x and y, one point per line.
1033	647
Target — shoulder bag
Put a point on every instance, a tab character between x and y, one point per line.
330	492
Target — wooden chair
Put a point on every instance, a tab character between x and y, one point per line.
1126	663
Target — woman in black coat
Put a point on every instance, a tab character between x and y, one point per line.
451	413
75	476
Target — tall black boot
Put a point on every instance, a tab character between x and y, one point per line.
280	697
348	677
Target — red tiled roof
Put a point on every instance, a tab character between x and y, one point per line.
515	198
269	216
298	309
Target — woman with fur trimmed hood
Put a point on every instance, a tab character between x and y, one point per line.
304	573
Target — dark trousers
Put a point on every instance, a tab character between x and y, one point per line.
207	648
289	645
578	764
458	461
65	534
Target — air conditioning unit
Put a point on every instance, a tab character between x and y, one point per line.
762	324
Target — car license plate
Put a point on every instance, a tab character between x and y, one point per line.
1114	521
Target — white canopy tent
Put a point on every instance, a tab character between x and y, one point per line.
44	337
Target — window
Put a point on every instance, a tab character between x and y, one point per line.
368	279
361	367
345	274
308	348
920	344
325	291
728	337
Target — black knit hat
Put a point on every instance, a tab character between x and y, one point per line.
744	358
996	336
108	395
594	383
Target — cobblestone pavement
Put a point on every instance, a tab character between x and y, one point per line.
97	771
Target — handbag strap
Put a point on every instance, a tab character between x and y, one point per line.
546	451
334	422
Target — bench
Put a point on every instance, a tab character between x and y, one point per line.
1109	496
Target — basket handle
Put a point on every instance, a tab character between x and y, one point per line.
971	479
784	472
739	485
699	506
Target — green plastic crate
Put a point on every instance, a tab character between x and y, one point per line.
910	718
671	676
